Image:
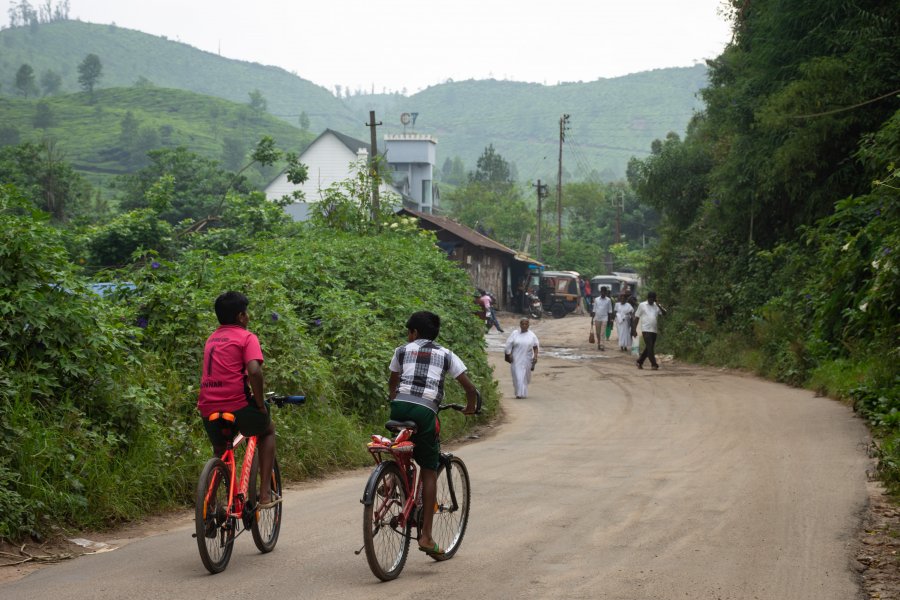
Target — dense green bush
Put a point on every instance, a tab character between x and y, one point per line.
97	395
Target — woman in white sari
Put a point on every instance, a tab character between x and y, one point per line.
624	311
522	352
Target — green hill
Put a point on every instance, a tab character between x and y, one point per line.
128	55
611	119
98	141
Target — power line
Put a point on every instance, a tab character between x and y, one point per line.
846	108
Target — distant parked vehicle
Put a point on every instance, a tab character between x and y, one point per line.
533	306
615	284
559	292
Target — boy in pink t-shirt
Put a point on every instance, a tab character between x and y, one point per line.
231	381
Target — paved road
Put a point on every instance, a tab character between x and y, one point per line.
607	482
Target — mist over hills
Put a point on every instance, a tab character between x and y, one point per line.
611	120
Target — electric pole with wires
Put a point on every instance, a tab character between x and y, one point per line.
373	164
542	192
563	126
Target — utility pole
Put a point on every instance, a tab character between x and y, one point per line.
620	205
563	125
542	193
373	163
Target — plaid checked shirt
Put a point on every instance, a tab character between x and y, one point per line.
422	366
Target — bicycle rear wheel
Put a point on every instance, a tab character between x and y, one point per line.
451	510
266	523
215	529
386	543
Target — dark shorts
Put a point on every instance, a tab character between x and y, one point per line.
427	438
248	420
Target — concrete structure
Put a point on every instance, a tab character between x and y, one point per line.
412	157
333	157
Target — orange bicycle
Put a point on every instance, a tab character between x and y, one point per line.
393	500
225	507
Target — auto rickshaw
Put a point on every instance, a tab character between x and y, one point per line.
559	292
615	284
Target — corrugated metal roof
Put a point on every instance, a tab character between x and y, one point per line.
460	231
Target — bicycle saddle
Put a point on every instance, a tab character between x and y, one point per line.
396	426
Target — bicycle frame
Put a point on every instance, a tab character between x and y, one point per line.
226	504
237	497
400	451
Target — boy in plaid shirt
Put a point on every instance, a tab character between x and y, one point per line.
416	388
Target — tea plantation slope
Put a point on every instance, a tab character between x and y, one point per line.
128	55
90	136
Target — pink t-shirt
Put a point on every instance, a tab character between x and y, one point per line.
223	381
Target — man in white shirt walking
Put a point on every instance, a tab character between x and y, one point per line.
646	318
600	313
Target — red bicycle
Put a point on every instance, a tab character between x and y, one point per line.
225	507
393	501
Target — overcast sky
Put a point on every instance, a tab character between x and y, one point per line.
411	44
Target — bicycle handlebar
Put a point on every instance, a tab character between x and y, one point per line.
461	408
280	401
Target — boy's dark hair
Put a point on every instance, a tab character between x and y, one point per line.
426	323
229	305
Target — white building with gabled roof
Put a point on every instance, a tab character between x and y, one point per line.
333	157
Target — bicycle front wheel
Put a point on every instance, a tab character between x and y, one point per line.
451	508
266	523
215	529
385	541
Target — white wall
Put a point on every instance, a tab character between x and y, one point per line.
328	160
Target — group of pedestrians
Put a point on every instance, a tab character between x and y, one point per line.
628	316
522	346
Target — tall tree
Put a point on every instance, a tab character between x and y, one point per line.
25	80
89	73
199	184
43	115
491	168
51	82
128	129
780	108
490	203
234	153
41	172
258	102
303	120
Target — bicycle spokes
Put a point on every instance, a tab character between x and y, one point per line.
386	532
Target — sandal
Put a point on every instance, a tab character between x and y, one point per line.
433	551
275	501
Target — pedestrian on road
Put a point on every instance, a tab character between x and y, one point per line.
487	301
587	294
522	353
579	302
600	314
647	315
623	311
635	336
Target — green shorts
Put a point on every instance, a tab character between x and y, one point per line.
248	420
427	438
